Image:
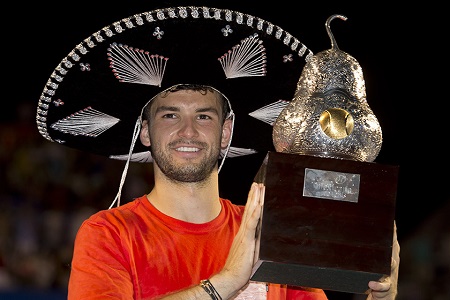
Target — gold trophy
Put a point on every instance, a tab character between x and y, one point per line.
328	213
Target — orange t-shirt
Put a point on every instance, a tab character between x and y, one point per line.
136	252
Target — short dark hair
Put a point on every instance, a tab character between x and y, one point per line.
203	89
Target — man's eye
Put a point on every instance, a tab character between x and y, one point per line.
169	116
204	117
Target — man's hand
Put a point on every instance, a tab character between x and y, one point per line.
239	264
387	288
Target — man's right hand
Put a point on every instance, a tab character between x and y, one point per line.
238	267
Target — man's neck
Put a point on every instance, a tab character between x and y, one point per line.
195	202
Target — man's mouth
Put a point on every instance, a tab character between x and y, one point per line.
188	149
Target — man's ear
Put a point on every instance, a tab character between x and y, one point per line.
226	133
144	135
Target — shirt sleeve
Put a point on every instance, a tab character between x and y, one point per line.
99	268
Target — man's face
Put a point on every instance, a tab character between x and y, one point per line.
186	134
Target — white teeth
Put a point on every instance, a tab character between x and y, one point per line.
188	149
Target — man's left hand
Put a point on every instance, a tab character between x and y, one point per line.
386	289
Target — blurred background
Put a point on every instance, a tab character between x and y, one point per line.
47	190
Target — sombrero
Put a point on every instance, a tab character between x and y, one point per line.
94	96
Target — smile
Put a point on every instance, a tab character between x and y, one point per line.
188	149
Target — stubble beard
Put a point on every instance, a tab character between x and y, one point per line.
189	171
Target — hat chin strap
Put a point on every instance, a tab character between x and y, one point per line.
230	115
137	130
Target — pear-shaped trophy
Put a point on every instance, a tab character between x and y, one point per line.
328	214
329	115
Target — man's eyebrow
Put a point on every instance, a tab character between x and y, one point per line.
164	108
208	109
167	108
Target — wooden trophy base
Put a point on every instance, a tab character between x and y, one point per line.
326	223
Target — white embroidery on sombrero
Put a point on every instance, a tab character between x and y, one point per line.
245	59
87	122
136	65
270	112
92	43
143	157
146	156
235	152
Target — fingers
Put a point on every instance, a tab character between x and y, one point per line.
263	194
395	261
254	202
380	286
253	210
395	247
387	288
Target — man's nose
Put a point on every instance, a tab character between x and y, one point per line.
188	128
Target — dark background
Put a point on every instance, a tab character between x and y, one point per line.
47	190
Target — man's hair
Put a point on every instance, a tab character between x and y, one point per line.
203	89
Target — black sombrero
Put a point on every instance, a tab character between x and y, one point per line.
94	97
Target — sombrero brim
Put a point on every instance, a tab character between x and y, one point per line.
94	97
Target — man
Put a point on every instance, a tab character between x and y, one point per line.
182	232
182	240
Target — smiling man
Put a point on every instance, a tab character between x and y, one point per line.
181	240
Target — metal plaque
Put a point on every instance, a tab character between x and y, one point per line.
331	185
